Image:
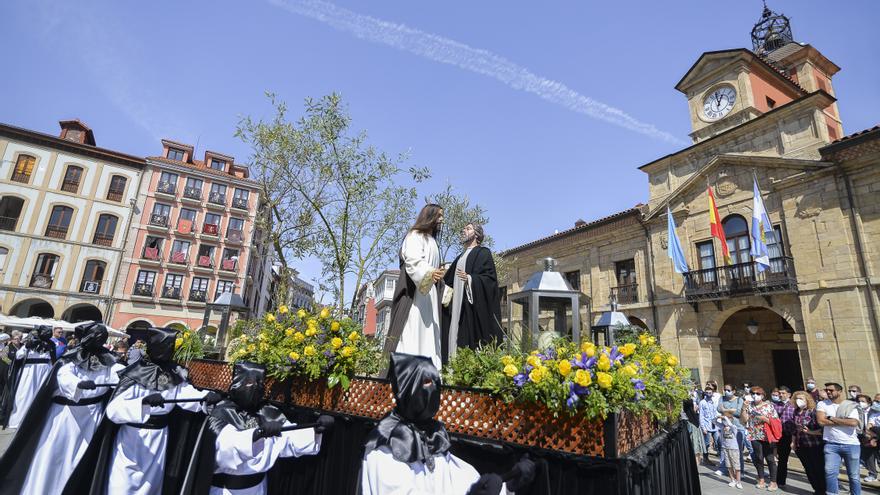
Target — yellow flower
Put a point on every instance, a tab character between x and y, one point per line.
347	351
630	370
354	336
646	339
270	317
178	342
336	342
657	359
301	313
185	334
604	379
588	348
583	378
564	367
293	355
510	370
538	374
627	349
325	313
604	362
282	309
507	360
534	361
311	331
252	348
309	350
289	332
672	361
334	327
264	347
263	336
668	372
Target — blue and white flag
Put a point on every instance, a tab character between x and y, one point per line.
674	249
761	226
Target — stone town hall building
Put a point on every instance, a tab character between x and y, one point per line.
772	112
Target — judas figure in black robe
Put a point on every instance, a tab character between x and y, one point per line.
244	436
472	313
65	413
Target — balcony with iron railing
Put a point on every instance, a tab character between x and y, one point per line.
70	186
739	279
166	188
143	290
102	240
158	220
151	254
204	262
240	203
41	280
626	293
192	193
22	177
8	223
90	286
227	265
179	257
56	231
198	295
114	196
216	200
234	236
186	227
210	229
169	292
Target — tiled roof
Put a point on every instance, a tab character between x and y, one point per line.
857	134
200	166
785	76
585	226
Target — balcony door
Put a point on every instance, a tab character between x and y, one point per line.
44	271
736	230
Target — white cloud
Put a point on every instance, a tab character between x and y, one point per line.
447	51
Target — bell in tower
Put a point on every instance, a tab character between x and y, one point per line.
773	31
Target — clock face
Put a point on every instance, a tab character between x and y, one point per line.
719	102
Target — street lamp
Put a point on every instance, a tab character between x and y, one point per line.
752	326
225	303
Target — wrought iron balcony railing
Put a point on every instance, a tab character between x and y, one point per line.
143	290
171	292
740	279
70	186
240	203
56	231
166	188
198	295
217	198
192	193
24	178
114	195
8	223
41	281
626	294
159	220
102	239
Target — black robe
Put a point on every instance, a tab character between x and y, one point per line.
7	397
15	462
480	322
184	428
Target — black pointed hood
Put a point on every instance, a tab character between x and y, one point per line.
160	345
410	431
90	351
248	382
43	335
157	371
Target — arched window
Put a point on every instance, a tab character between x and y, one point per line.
24	167
117	188
93	276
59	222
72	178
10	210
105	231
736	230
44	271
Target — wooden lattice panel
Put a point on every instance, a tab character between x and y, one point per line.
466	412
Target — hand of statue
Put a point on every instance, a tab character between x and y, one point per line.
462	275
437	275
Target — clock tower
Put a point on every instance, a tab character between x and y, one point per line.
727	88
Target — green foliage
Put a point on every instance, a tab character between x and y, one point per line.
309	345
567	378
188	346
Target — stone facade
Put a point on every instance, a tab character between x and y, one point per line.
822	319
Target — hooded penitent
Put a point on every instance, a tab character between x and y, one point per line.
90	352
410	431
40	340
157	371
245	407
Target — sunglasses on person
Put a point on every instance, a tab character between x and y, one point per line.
830	390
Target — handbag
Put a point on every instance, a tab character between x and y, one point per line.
773	430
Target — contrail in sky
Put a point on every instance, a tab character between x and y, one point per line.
447	51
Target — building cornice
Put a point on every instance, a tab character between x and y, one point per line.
202	172
58	144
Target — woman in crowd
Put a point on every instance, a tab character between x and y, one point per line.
734	405
759	413
872	427
867	438
808	440
689	410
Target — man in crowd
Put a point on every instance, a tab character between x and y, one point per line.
810	387
840	421
785	410
59	340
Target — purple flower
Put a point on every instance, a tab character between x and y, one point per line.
584	362
520	379
615	356
575	392
328	354
549	353
638	384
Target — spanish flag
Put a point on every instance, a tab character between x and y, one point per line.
716	228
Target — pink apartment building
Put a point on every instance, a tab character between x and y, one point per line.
190	242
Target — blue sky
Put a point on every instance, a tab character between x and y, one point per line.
504	100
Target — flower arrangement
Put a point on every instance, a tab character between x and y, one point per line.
578	378
308	344
188	346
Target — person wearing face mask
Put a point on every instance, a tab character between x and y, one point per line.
760	413
708	413
145	429
63	417
872	430
840	421
785	410
732	404
810	387
866	438
854	391
808	440
408	451
243	438
33	364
